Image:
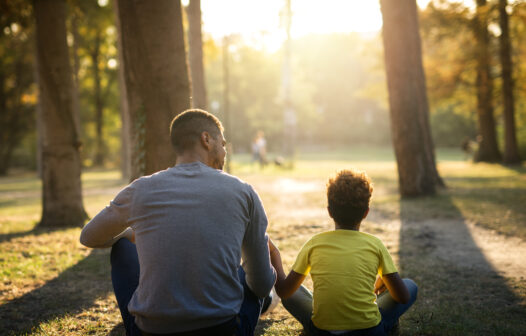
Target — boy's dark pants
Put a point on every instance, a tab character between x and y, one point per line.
300	306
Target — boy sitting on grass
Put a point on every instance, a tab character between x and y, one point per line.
357	289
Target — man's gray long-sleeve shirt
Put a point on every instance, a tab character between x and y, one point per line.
193	224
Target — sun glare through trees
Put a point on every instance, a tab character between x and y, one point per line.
428	97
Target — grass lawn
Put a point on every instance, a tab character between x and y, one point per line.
465	247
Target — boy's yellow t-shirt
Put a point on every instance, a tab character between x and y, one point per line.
343	265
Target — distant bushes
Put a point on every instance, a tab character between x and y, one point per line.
451	128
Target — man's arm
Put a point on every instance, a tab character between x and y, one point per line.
260	274
128	233
285	285
110	224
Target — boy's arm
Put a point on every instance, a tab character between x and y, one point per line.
285	285
394	285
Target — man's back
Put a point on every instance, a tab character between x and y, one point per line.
192	223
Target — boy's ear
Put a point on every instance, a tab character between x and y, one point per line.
366	213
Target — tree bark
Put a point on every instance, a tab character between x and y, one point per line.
488	150
5	127
11	118
62	192
124	110
511	150
39	122
156	78
99	104
76	67
195	54
409	109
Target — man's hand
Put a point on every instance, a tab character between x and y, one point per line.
285	285
129	234
275	258
272	248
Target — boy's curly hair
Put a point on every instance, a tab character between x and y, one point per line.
348	195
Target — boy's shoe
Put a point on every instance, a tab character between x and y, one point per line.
270	302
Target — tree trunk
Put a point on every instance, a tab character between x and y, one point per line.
124	111
511	151
13	120
62	192
412	141
5	151
39	123
195	54
76	67
488	150
99	104
156	78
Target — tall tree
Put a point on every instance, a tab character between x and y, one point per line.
511	151
156	78
62	192
97	95
94	46
488	150
74	30
126	167
16	78
195	54
409	110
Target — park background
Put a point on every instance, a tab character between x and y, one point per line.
314	77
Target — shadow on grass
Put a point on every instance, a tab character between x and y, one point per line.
36	231
118	330
519	168
72	292
460	292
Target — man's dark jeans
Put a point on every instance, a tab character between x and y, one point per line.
125	279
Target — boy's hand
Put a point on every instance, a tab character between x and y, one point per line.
379	286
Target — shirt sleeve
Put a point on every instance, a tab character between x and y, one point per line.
302	264
387	265
111	221
260	275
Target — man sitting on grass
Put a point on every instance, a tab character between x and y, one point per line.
191	225
351	271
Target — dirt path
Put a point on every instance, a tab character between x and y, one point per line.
301	203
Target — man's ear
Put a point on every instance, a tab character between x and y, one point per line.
205	140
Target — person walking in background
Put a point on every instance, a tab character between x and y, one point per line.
357	288
259	149
192	224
